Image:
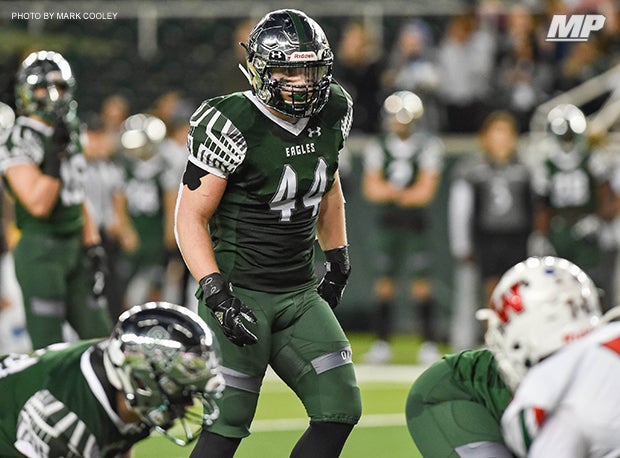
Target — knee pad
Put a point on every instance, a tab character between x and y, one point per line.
331	396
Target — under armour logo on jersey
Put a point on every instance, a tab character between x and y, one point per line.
314	132
276	55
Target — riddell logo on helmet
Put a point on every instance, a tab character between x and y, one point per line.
307	55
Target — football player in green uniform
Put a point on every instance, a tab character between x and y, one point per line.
263	176
98	398
43	166
575	198
148	180
402	171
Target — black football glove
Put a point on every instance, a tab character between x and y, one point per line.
231	314
59	141
97	263
338	269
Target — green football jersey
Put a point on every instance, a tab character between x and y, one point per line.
475	372
568	181
401	162
55	404
28	142
144	190
265	226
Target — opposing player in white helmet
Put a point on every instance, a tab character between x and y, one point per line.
546	385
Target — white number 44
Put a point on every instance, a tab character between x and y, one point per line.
285	197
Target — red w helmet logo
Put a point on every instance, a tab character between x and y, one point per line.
510	301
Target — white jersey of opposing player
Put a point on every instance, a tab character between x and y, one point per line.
569	404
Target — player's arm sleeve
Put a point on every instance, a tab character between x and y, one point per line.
347	119
560	436
432	158
373	156
529	432
214	142
20	146
48	428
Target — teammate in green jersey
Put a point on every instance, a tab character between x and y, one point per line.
98	398
43	166
575	201
263	175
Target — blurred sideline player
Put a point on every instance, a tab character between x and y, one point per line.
402	169
575	198
98	398
149	179
59	262
263	176
547	385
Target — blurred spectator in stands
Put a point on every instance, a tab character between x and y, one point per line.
466	56
490	211
575	200
165	105
105	192
401	175
412	67
358	69
584	61
173	150
524	77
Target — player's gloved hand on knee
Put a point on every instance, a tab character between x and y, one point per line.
338	268
61	136
228	310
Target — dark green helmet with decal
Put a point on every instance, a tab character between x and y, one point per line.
289	63
45	85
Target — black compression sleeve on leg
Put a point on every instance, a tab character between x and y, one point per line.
211	445
324	439
384	320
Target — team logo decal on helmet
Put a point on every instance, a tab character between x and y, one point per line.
289	42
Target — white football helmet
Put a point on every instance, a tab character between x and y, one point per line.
538	306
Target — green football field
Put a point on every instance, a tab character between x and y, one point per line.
280	418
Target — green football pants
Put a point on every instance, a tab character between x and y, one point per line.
300	337
445	422
55	285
